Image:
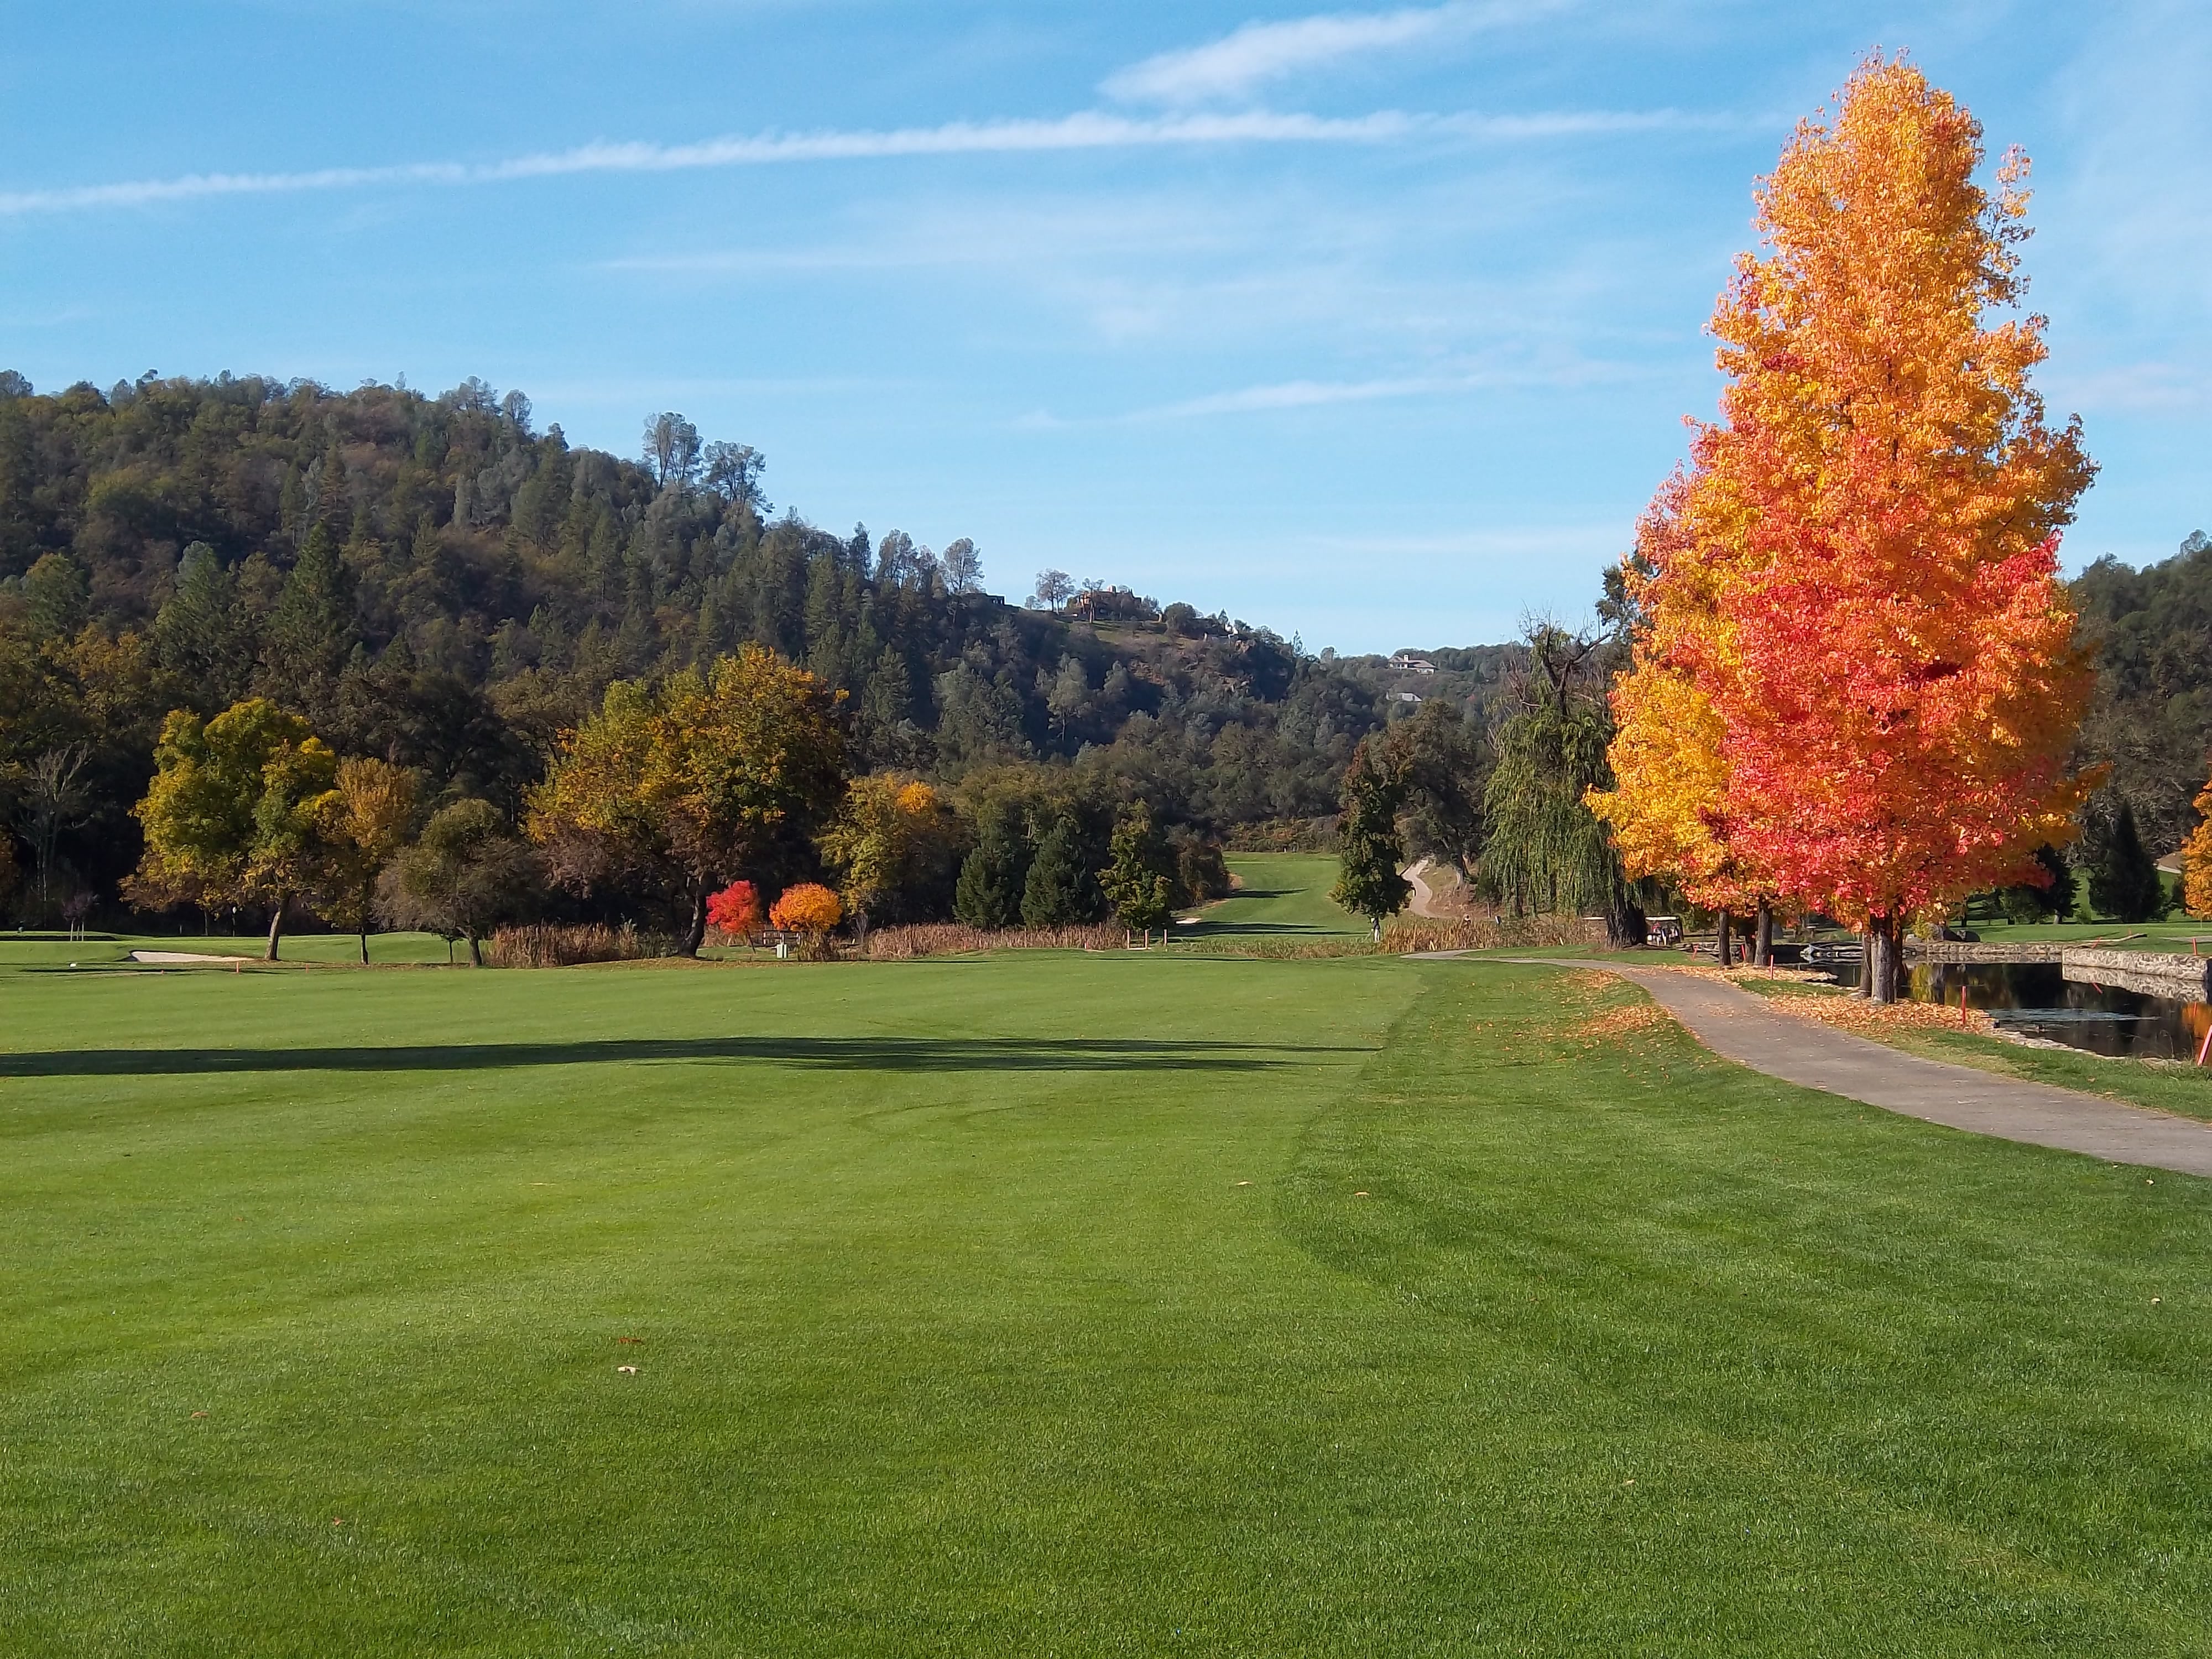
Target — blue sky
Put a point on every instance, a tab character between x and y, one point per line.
1374	326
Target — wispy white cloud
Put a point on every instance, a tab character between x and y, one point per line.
1238	64
1087	130
1317	394
1302	394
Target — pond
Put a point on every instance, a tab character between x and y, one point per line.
2037	1000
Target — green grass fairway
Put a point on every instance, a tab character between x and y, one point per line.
1280	896
1043	1303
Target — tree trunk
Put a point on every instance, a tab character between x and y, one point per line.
276	926
1723	951
475	952
695	934
1866	961
1888	958
364	946
1376	922
1763	951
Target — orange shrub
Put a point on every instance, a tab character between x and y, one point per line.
809	908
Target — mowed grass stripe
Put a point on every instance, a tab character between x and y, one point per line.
958	1333
1786	1373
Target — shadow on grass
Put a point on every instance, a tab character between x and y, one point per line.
1209	927
869	1053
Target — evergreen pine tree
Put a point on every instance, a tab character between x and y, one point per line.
200	633
989	890
1140	881
311	633
2123	880
1060	891
56	595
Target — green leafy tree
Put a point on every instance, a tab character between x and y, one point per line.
1140	879
234	812
686	784
57	596
1371	852
891	844
1445	761
469	874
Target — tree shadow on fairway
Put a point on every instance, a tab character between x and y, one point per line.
859	1054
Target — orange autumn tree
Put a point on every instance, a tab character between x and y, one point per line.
2196	861
1893	663
810	909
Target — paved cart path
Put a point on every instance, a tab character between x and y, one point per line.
1740	1026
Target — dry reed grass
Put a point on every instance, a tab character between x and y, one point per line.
943	939
568	947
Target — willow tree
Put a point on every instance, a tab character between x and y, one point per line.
1547	849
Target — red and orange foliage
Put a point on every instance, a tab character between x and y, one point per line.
809	908
1859	683
735	911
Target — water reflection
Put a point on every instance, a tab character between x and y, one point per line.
2037	1000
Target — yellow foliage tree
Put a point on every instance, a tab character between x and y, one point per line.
364	822
892	838
234	812
685	784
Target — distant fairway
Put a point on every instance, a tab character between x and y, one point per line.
1045	1303
1279	897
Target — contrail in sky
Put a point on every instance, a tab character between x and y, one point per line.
1089	130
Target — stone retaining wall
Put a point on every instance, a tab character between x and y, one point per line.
1924	950
2153	973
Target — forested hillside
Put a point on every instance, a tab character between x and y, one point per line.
2152	716
434	581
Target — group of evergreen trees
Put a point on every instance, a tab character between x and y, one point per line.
1049	857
